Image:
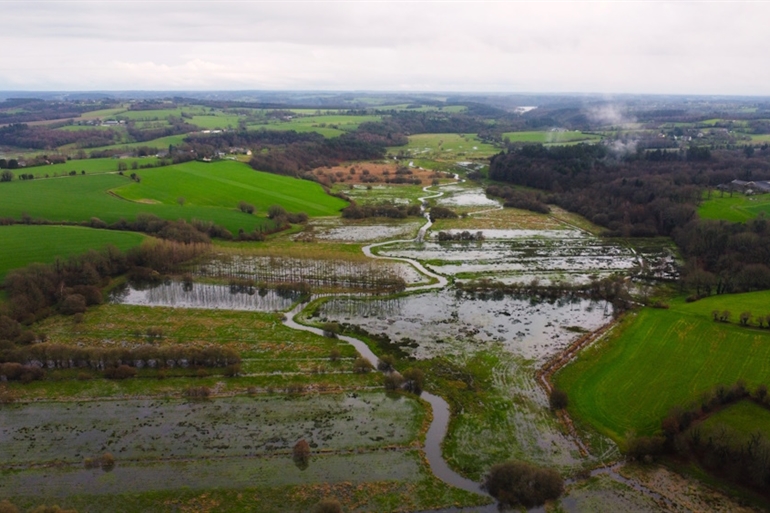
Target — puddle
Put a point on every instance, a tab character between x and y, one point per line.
205	296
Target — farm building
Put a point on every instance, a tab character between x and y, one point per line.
752	187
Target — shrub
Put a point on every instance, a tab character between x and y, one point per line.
362	366
516	483
386	363
201	392
328	505
557	399
73	304
119	372
300	453
335	355
413	380
248	208
107	462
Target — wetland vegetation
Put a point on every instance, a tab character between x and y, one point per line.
379	305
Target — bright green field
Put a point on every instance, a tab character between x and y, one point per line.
658	359
22	245
739	208
549	137
224	183
90	166
744	417
161	143
212	192
447	145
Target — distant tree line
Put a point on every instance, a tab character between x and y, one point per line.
42	137
25	110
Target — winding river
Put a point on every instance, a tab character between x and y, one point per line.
440	422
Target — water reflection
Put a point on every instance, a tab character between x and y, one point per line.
445	321
205	295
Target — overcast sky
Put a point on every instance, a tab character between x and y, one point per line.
605	47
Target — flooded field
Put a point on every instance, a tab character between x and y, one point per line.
336	231
225	427
457	196
318	272
447	322
204	295
553	255
210	473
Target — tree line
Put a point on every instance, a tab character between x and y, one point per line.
69	286
633	196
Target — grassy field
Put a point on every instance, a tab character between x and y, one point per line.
739	208
212	192
225	183
446	146
161	143
549	137
745	417
90	166
22	245
657	359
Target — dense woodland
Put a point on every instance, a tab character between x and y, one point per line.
641	195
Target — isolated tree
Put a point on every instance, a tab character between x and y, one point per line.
413	380
744	317
386	363
725	316
6	176
362	366
248	208
328	506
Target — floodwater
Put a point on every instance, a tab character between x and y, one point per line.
206	296
451	322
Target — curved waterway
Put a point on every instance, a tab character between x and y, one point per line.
440	423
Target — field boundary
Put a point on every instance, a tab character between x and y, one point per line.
555	363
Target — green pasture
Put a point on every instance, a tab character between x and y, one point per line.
745	417
658	359
549	137
324	131
22	245
161	143
737	208
218	121
327	125
447	145
224	184
211	191
90	166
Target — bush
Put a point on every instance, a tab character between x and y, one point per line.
328	505
557	399
441	213
119	372
248	208
386	363
201	392
300	453
516	483
362	366
107	462
413	380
